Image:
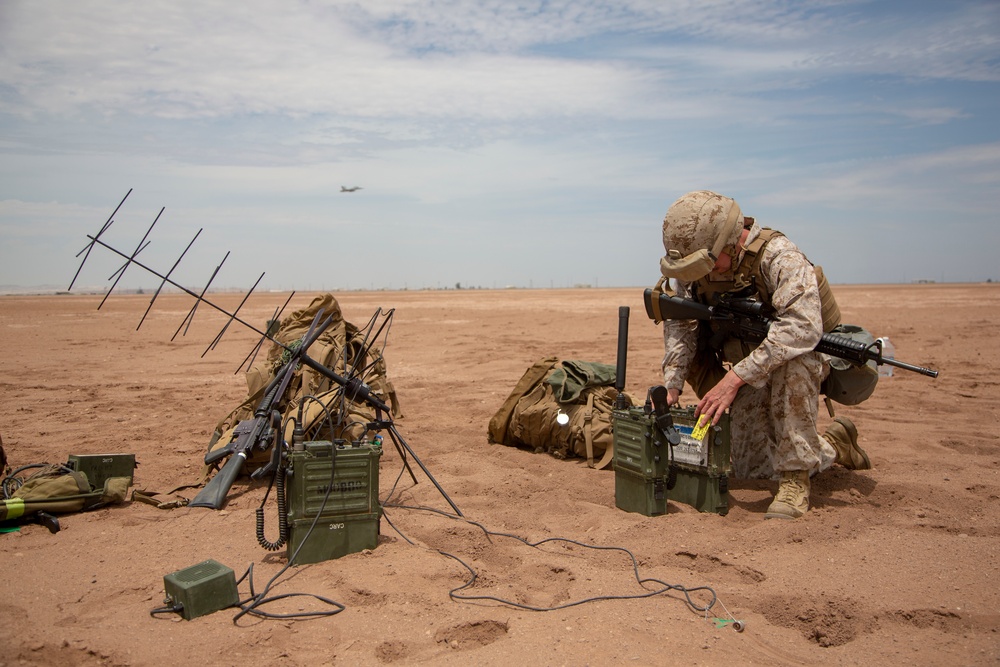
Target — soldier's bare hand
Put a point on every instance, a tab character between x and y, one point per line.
715	403
673	396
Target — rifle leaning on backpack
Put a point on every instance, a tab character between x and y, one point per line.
264	430
258	433
749	320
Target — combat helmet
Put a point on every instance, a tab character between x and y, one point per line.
696	229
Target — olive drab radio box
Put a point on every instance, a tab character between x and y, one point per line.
332	495
100	467
649	471
201	589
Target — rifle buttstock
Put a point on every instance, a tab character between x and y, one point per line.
215	492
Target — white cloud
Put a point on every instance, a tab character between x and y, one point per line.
931	183
558	117
454	59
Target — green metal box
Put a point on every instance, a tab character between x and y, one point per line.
101	467
640	463
643	459
201	589
333	507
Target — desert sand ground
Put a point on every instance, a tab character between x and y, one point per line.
893	565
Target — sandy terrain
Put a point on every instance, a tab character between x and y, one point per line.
894	565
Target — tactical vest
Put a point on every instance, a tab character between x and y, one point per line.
747	278
746	274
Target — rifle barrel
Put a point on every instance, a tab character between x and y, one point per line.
909	367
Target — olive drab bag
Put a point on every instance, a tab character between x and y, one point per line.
56	489
849	383
341	348
582	391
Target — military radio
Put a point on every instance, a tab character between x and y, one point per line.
668	456
332	495
663	453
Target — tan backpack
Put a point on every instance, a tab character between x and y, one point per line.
56	489
340	348
582	391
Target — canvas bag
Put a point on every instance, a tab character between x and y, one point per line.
57	490
583	391
339	348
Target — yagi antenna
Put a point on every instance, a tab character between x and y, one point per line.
139	248
218	336
250	358
165	279
353	386
189	318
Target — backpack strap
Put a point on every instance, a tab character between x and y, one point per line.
754	255
588	435
588	429
748	272
163	501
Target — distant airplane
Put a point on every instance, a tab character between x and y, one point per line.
352	189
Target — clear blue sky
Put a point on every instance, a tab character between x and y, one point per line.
497	143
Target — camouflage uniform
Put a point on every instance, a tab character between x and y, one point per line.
773	418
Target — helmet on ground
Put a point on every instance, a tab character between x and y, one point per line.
696	229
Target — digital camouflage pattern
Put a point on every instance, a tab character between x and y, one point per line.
773	418
695	221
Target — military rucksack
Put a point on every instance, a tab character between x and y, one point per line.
55	489
582	391
341	348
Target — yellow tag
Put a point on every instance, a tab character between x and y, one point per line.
14	508
701	428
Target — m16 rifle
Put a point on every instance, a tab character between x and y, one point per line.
750	320
264	431
259	433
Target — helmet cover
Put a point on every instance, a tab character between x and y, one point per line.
696	229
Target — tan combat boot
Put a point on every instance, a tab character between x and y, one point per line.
792	499
843	435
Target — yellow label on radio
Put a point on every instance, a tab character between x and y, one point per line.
701	428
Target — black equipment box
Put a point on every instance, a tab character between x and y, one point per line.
335	488
645	463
